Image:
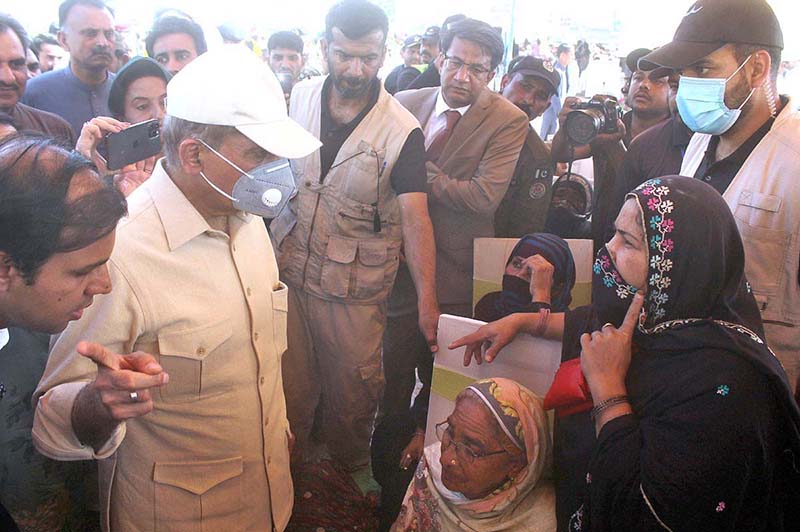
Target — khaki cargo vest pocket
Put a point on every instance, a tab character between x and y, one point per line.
280	312
338	265
181	354
188	493
370	271
765	249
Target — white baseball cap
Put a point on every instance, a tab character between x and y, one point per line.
230	86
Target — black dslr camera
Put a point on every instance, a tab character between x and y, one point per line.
588	119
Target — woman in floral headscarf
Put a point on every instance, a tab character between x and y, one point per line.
693	425
486	473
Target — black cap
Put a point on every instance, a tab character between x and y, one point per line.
411	40
632	59
711	24
431	33
533	66
138	67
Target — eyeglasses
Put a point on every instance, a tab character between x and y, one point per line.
463	452
455	64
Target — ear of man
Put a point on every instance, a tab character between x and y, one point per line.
7	271
189	151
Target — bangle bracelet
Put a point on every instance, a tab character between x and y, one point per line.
611	401
541	326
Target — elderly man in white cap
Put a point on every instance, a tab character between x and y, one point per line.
198	438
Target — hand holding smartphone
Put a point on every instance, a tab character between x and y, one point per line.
132	144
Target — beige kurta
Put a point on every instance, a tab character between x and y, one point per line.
213	454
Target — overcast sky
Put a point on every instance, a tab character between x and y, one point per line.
629	21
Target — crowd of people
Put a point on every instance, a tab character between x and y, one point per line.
186	334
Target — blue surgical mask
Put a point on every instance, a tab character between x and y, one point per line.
701	104
264	191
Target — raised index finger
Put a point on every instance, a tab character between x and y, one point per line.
99	354
632	316
477	336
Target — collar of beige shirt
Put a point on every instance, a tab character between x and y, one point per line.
181	220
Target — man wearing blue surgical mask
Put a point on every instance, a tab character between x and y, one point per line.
195	284
746	145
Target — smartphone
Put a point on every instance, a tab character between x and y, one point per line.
131	145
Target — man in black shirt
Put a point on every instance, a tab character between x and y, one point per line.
410	54
430	53
656	152
339	242
728	53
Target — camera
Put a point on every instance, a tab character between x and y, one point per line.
588	119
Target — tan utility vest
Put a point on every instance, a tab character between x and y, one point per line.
327	241
764	197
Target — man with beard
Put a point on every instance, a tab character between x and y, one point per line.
14	77
79	92
747	146
361	196
529	84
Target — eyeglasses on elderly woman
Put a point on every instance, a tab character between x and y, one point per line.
464	452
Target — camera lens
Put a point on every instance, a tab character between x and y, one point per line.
582	126
154	130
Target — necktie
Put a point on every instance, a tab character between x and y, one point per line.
440	140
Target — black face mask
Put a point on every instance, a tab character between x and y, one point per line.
515	297
611	294
519	288
565	223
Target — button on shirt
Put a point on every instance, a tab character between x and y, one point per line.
218	428
63	94
438	121
719	174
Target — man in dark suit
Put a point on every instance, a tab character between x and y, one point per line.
473	138
57	224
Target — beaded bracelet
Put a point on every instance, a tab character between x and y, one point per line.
611	401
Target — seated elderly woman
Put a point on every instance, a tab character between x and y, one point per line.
486	474
694	426
540	273
137	94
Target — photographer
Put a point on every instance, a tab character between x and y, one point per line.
137	95
647	94
606	148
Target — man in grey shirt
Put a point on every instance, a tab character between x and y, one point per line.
79	92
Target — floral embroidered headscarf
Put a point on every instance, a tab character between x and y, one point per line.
696	257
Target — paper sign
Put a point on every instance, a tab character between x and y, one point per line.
530	361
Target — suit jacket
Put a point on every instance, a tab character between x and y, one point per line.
469	182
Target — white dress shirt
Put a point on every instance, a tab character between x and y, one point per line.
438	121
